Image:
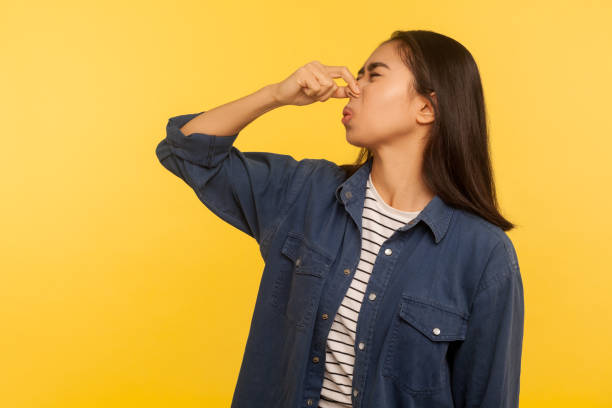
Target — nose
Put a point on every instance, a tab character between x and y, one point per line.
361	81
352	95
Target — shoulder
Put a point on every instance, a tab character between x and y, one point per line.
490	242
329	169
323	172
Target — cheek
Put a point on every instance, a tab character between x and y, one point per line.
392	97
386	109
381	98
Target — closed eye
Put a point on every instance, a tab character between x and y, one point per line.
372	74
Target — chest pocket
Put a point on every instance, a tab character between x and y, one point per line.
420	334
297	288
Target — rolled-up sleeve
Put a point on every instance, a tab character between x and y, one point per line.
487	365
248	190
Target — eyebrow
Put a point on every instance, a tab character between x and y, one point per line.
373	65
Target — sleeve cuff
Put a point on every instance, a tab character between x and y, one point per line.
199	148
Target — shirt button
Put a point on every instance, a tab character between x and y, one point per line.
355	392
347	271
372	296
298	261
361	346
324	316
309	402
315	359
436	331
388	251
348	194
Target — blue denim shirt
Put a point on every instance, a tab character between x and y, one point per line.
445	328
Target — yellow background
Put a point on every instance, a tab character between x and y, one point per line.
118	288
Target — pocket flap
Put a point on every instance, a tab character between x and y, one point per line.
307	259
433	321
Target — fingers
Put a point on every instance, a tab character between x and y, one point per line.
344	73
309	82
328	86
331	91
317	81
344	92
324	76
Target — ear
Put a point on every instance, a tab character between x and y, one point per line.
425	114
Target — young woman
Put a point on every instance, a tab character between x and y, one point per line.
389	282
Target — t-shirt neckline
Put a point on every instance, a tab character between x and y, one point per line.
386	206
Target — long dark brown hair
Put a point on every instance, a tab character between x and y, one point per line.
456	161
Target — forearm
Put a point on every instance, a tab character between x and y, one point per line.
230	118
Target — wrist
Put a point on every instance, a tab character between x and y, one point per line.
271	90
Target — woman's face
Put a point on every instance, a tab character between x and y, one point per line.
386	108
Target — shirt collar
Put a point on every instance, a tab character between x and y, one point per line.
436	214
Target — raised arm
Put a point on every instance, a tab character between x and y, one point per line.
249	190
230	118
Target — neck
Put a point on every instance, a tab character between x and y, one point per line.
397	177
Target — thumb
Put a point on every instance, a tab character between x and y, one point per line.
343	92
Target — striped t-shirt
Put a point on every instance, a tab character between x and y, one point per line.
379	221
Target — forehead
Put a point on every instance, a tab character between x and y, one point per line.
388	50
387	54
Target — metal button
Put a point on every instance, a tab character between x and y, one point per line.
436	331
309	402
348	194
347	271
298	261
388	251
324	316
372	296
315	359
361	345
355	392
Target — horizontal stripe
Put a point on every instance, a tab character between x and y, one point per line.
379	222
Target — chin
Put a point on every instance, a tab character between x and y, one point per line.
354	139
